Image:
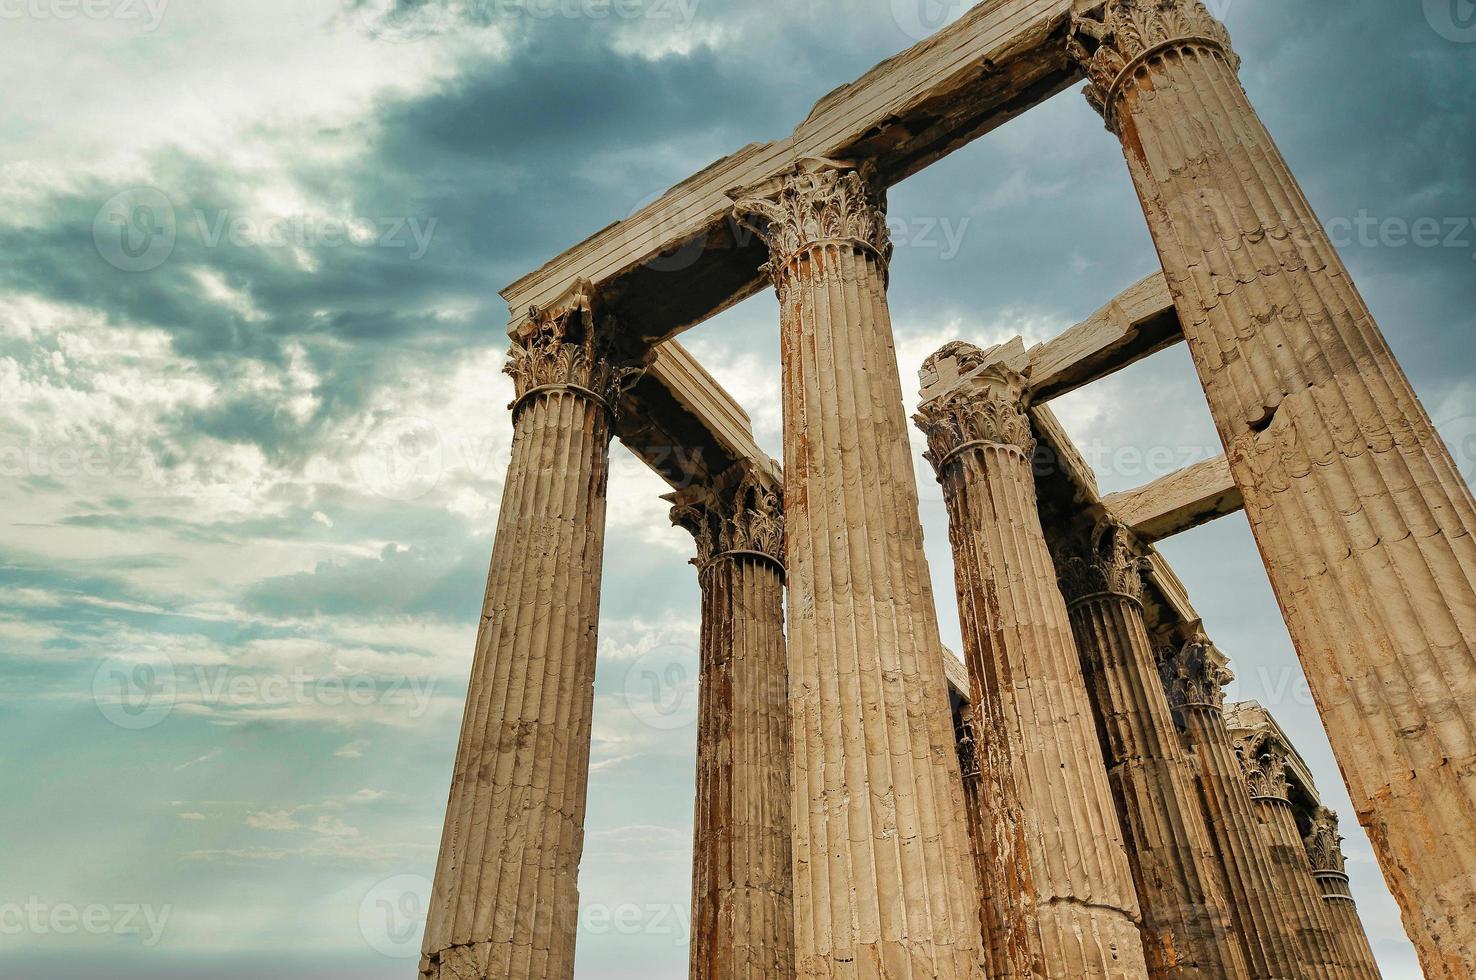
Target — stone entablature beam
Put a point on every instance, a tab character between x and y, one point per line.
681	259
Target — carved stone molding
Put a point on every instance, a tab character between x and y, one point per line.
1105	562
968	751
1112	47
743	516
1194	676
1265	770
565	349
986	408
1325	844
820	201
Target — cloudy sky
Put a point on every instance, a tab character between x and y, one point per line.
253	428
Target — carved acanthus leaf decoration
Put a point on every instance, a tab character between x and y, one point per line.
1108	47
1265	770
565	348
1324	843
822	200
1105	562
986	408
742	516
1194	677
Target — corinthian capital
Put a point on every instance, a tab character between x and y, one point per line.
1105	562
562	347
1195	676
1324	843
743	515
821	200
985	408
1264	768
1112	46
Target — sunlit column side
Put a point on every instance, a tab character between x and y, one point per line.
742	887
1325	852
1360	513
505	904
884	886
1058	896
1186	929
1265	769
1194	678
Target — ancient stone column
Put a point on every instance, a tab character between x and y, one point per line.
1325	853
1186	928
505	904
1195	681
1364	522
1058	894
742	887
1301	899
884	885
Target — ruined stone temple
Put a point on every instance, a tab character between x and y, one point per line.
1074	797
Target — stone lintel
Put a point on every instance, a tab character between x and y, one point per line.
1178	502
681	258
1138	322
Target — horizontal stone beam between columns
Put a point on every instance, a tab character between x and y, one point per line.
680	259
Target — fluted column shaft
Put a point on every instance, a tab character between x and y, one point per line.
884	887
1304	897
1358	509
1186	929
1265	772
1194	684
1325	853
1058	893
1342	912
505	905
742	885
